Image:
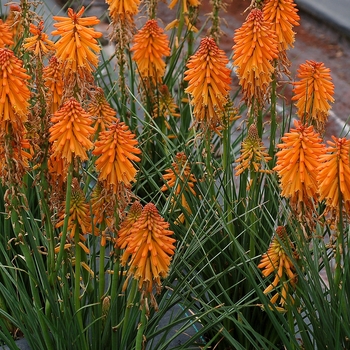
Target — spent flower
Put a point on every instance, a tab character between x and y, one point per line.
276	260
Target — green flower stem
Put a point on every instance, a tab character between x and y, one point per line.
273	125
141	328
129	306
66	218
114	299
77	279
16	223
228	185
101	275
209	165
339	245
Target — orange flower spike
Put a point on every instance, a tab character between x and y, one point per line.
70	134
150	45
53	78
283	16
6	35
14	93
123	9
151	248
208	83
116	149
254	51
276	260
39	43
253	152
334	175
78	43
101	111
313	93
297	163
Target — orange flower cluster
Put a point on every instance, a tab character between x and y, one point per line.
71	131
180	178
276	260
39	43
78	42
14	93
53	80
6	35
334	176
79	222
122	9
101	111
253	54
253	152
208	83
282	14
116	149
297	166
148	246
150	45
313	93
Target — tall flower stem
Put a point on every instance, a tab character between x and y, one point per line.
339	245
66	219
142	325
273	124
114	299
101	275
77	280
17	227
228	181
209	166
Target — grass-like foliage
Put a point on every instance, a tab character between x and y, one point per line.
146	203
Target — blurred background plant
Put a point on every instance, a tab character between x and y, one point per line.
147	205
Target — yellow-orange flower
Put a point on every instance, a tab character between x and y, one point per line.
180	178
116	149
313	93
5	35
253	152
185	4
53	79
151	248
14	93
208	83
334	176
77	46
79	221
123	9
101	111
277	261
253	54
297	164
71	131
150	45
283	15
39	43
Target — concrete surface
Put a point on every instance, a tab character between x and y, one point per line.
336	13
